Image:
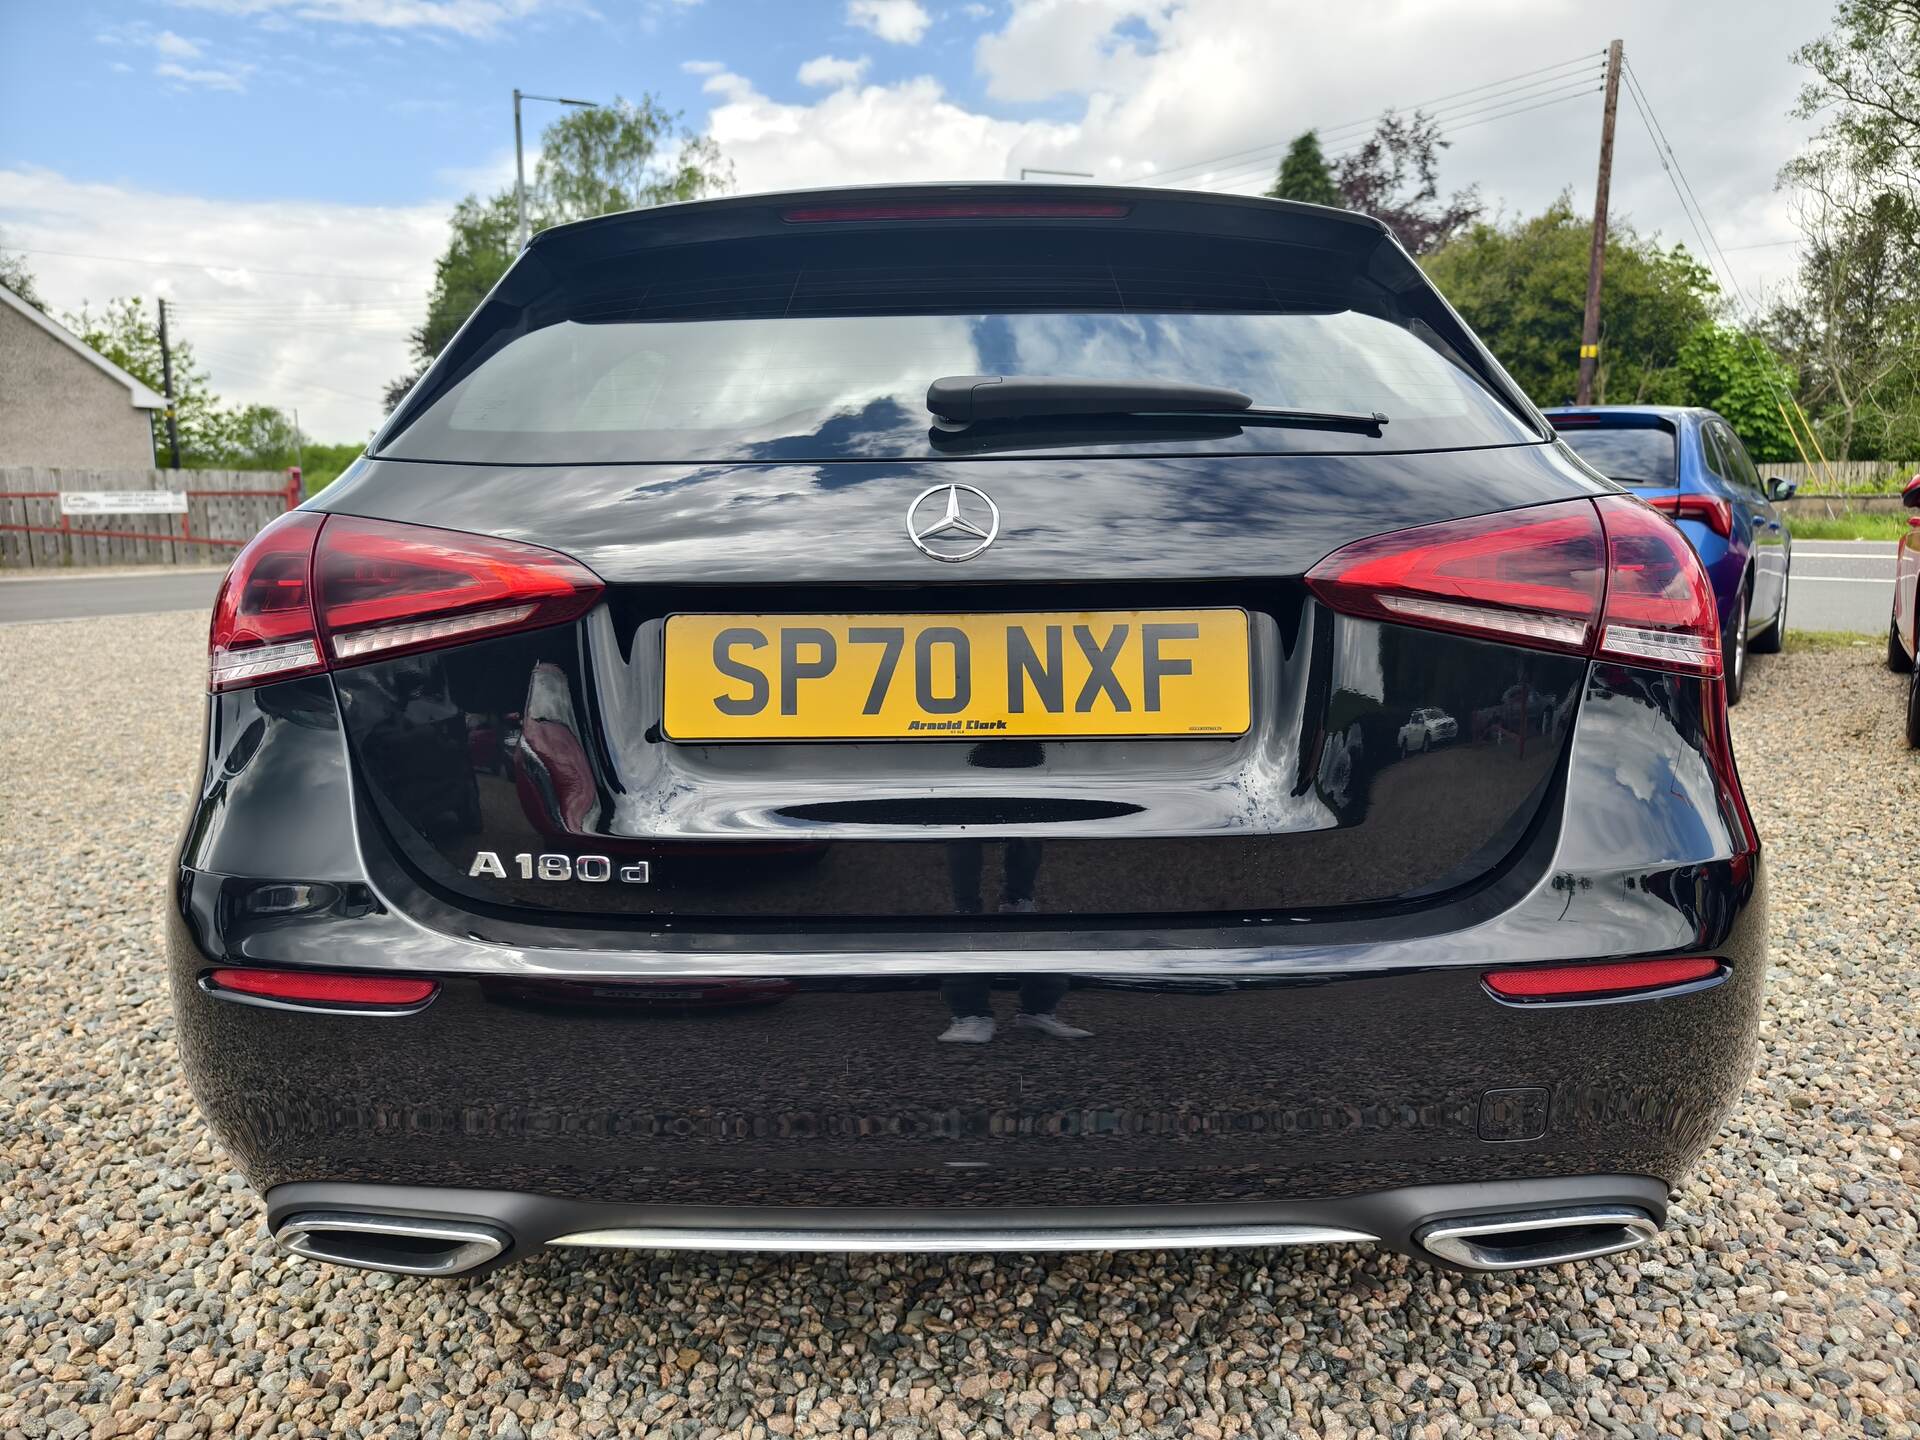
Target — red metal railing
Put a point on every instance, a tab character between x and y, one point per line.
289	493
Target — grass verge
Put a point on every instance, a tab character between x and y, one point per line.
1848	525
1814	640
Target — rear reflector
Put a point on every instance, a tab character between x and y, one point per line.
1565	982
315	988
1587	577
313	591
957	210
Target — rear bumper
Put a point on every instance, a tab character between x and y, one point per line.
1265	1070
1216	1075
1489	1226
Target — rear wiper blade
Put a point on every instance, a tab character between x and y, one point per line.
958	401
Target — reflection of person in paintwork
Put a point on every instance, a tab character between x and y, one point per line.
970	997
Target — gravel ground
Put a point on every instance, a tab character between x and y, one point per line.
139	1294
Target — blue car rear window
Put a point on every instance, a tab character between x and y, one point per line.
1638	456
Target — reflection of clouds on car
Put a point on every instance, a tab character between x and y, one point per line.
1342	751
551	770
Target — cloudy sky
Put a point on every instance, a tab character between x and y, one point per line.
282	169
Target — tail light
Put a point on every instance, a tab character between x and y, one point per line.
1659	604
263	616
1601	577
313	592
1616	977
1532	577
1710	510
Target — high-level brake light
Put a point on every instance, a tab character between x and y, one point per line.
1603	577
958	210
313	592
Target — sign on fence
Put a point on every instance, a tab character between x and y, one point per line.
123	502
60	516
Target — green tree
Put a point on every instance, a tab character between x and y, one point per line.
128	334
1853	328
15	275
1737	373
213	436
1395	177
1522	286
477	255
1304	174
622	156
1866	90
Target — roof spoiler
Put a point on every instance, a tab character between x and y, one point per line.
555	253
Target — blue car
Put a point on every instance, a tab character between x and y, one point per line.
1689	464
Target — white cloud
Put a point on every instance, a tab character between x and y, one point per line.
175	47
703	67
171	52
233	78
1065	47
907	131
473	18
831	72
312	315
1155	87
899	22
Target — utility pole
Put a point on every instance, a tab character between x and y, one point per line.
519	178
1597	257
519	158
166	387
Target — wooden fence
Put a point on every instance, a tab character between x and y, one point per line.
225	509
1847	477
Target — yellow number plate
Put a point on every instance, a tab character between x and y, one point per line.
944	677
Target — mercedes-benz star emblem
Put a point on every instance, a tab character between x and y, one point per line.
940	526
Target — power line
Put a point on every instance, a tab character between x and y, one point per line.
1710	246
290	307
1242	174
1676	176
1327	132
225	265
1591	57
1324	132
247	370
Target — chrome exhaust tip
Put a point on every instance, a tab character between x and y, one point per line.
1529	1238
396	1244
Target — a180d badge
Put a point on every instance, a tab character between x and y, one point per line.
594	869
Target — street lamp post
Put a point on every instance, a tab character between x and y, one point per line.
519	158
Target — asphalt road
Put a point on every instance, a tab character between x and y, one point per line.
1841	585
73	597
1837	585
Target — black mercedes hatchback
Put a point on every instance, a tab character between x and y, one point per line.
966	717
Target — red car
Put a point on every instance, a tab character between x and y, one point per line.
1903	632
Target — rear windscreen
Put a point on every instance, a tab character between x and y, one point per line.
1642	455
831	360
